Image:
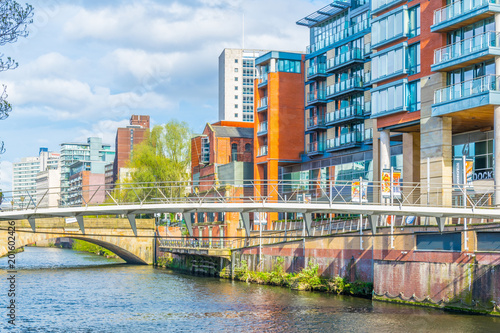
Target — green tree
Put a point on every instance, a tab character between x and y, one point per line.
14	20
163	157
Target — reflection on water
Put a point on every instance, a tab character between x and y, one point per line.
67	291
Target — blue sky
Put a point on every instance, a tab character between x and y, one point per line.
88	65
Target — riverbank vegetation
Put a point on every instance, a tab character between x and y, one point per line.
307	279
79	245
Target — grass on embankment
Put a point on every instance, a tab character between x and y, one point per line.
79	245
307	279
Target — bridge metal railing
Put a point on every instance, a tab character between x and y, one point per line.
358	191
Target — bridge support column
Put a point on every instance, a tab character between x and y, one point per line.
31	220
440	222
308	222
131	220
79	219
373	219
189	225
245	217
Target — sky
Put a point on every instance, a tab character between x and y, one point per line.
87	66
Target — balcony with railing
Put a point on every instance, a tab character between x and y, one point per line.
470	94
345	59
317	96
315	148
350	85
345	141
461	13
318	70
262	81
262	150
467	52
367	49
359	27
262	105
345	115
262	128
315	122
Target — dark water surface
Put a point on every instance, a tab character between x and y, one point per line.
67	291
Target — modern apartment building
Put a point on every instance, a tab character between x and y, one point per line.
338	128
126	139
93	150
87	183
236	90
48	191
279	121
25	174
461	113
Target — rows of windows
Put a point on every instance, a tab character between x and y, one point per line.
288	66
395	61
248	72
249	63
397	97
471	72
247	82
396	24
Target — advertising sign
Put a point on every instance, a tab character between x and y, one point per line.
396	183
359	191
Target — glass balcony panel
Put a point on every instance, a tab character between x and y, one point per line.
459	8
467	47
467	89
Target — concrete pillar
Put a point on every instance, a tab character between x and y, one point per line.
411	165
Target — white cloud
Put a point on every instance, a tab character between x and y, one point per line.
105	129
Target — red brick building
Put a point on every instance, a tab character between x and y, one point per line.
126	139
222	156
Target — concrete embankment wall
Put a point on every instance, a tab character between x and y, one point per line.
465	279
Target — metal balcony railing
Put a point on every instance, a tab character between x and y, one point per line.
316	95
342	86
315	121
344	113
467	46
467	88
338	36
459	8
316	69
262	103
316	147
262	128
353	54
344	140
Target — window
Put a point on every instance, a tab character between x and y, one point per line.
235	96
413	96
236	70
247	72
288	66
388	98
235	61
248	147
413	63
236	115
414	21
234	152
235	106
440	242
236	88
236	78
388	28
388	63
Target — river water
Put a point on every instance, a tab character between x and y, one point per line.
66	291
